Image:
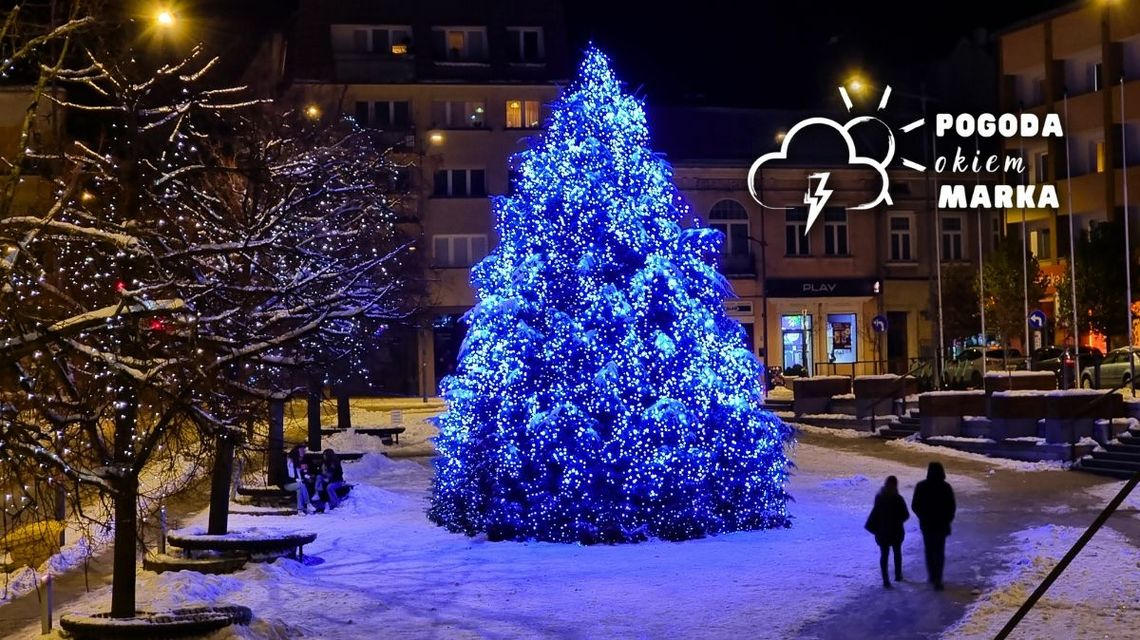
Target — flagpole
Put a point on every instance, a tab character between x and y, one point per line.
1127	240
981	267
1025	263
937	250
1072	246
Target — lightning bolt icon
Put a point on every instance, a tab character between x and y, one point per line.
816	198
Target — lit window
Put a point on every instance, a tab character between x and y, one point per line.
376	39
1040	244
460	44
523	114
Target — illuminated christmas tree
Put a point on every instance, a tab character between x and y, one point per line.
602	393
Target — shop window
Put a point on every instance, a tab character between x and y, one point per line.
842	338
795	332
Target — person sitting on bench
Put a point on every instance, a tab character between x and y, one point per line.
333	476
296	470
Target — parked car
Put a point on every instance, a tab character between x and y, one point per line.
966	370
1055	358
1115	370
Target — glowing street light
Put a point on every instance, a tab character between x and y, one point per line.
312	112
857	84
165	18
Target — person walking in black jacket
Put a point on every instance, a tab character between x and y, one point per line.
933	504
886	522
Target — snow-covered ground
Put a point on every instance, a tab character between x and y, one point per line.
1097	596
379	567
382	565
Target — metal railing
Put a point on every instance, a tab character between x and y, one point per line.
851	369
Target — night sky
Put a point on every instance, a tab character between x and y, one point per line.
770	54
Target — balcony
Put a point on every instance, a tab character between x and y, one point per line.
372	68
738	265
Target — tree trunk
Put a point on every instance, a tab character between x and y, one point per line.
126	504
220	485
126	548
343	411
314	414
276	463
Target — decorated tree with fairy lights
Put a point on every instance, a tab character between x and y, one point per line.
602	393
190	256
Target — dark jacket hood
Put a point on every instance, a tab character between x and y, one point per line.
935	472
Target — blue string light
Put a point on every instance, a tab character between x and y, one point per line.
602	393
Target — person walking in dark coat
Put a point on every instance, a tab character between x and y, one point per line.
886	522
933	504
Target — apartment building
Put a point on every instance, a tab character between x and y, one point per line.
1083	62
458	87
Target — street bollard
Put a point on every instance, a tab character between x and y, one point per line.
1067	377
46	606
162	530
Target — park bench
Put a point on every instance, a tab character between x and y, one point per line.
387	435
267	496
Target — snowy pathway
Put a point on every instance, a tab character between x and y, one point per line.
381	568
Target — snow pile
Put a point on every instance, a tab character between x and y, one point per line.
836	433
71	556
780	393
856	480
1019	373
937	452
1081	598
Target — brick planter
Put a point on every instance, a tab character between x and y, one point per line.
1015	414
940	412
876	395
1020	381
813	395
1073	415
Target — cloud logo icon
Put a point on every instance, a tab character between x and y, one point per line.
817	193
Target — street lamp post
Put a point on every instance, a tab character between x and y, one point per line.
858	85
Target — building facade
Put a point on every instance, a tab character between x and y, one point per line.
1083	62
457	87
855	294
